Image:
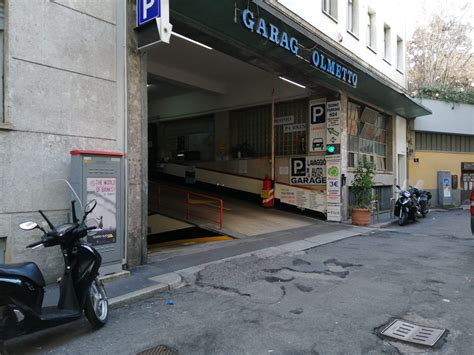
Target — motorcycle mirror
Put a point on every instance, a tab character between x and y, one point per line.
27	226
398	187
89	207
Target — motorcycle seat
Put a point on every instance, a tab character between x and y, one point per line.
28	270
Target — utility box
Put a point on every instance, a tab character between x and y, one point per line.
445	196
98	175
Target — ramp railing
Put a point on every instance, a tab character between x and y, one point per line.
185	204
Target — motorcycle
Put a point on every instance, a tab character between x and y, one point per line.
405	207
81	291
422	199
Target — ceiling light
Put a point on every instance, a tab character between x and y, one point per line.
191	40
292	82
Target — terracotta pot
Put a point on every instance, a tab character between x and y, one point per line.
361	216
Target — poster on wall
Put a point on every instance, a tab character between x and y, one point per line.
333	212
317	126
302	198
283	120
309	170
333	122
333	188
104	191
292	128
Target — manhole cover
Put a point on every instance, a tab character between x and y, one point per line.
159	350
413	333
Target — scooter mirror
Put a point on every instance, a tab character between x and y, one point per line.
90	206
27	226
398	187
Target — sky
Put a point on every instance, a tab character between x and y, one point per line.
422	10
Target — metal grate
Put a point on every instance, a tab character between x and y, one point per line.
409	332
159	350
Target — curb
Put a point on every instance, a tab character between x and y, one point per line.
384	224
166	282
115	276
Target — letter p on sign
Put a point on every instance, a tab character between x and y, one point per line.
147	10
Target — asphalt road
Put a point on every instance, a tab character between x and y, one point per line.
326	300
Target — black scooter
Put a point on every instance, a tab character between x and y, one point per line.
422	198
405	207
22	285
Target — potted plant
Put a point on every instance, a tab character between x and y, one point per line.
362	186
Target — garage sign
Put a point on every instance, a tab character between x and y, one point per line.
310	170
153	19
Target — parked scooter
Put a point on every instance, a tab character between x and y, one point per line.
22	285
422	199
405	207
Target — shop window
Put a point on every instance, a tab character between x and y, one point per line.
400	54
386	42
371	30
330	8
352	16
2	29
367	136
382	194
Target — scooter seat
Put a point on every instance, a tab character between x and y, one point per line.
28	270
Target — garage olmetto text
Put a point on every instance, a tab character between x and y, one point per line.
280	38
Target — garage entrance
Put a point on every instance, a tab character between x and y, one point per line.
209	141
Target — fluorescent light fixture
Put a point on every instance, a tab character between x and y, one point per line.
292	82
191	40
180	155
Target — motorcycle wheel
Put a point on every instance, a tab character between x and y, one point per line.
96	307
403	219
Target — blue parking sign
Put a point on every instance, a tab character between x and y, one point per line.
147	10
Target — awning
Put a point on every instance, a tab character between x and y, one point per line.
219	25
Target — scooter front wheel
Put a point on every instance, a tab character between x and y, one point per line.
403	218
96	307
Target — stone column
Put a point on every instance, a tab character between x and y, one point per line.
344	157
136	154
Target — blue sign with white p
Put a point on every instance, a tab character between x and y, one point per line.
147	10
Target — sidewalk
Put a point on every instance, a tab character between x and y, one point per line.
166	274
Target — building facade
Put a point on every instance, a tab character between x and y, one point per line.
234	75
444	142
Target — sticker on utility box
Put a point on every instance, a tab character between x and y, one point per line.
104	191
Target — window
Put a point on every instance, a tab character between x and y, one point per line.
400	54
352	17
386	42
367	135
371	33
330	8
2	28
252	127
443	142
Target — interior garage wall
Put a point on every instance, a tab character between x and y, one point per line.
60	94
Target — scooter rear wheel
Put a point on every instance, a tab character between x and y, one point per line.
97	305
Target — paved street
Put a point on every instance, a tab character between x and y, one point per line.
326	300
